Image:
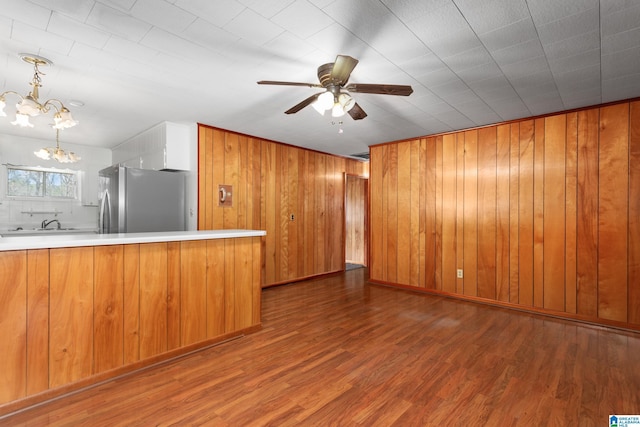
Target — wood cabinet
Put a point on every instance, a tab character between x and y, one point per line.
76	315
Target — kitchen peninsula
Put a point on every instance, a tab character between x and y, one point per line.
82	308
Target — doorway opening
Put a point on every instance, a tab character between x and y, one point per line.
356	222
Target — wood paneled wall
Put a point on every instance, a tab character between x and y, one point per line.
271	182
542	214
73	314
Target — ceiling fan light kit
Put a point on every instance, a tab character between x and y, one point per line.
333	79
30	106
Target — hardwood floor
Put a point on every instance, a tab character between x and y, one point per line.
337	351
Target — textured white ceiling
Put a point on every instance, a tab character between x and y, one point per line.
135	63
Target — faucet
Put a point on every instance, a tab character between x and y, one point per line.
46	223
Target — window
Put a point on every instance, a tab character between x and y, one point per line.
32	182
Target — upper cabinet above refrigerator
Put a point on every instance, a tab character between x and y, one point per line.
166	146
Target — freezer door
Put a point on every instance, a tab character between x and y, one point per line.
155	201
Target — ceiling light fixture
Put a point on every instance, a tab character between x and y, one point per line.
339	103
30	106
57	153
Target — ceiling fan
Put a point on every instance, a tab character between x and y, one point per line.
333	78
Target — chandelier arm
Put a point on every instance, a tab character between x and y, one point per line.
13	93
46	107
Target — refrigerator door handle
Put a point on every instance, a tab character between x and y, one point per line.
105	213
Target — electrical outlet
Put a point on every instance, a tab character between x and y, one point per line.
292	217
459	273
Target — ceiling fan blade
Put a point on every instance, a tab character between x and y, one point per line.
303	104
342	69
401	90
272	82
357	113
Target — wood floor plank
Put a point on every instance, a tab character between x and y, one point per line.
339	351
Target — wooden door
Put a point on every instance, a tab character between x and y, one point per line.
356	220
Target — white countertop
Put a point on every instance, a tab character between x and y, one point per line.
74	240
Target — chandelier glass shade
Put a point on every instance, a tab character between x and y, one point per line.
30	105
57	153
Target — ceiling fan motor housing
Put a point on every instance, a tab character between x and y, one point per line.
324	74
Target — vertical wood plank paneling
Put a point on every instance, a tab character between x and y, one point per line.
587	215
108	307
613	184
131	308
514	220
503	153
256	281
301	214
416	232
243	173
204	177
439	209
554	211
403	210
13	322
538	214
460	195
551	228
71	315
571	186
293	209
230	169
193	292
37	320
449	180
634	214
321	213
256	188
422	206
215	288
217	172
282	209
174	295
229	290
525	213
271	222
430	215
376	230
309	213
392	215
153	299
385	212
243	309
487	213
470	208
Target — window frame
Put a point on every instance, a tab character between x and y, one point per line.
44	172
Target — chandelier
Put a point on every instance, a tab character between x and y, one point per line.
30	105
57	153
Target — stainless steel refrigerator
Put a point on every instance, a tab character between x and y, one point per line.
139	200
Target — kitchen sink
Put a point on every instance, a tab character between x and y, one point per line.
47	231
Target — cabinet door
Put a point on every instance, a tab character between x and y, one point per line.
108	304
154	160
153	299
71	315
13	300
89	189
